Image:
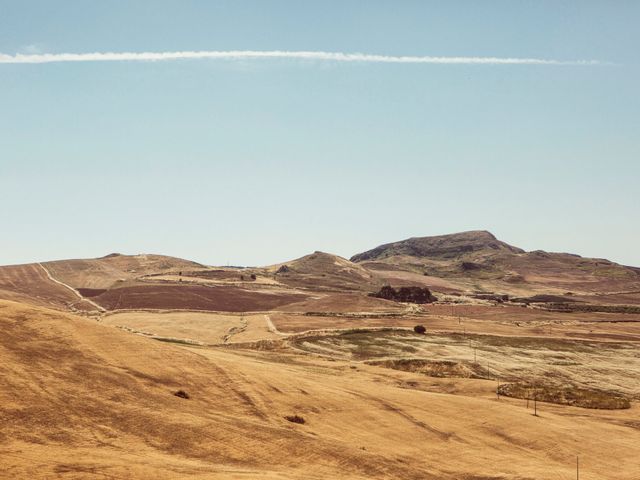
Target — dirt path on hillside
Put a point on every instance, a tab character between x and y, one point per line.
272	328
76	292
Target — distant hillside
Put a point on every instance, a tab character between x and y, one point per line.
478	261
442	246
324	271
470	263
104	272
146	281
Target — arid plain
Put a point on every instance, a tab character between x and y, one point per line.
141	366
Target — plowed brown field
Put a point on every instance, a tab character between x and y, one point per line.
193	297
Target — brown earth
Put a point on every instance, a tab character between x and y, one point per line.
193	297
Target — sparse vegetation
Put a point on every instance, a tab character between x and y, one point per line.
566	395
295	419
405	294
182	394
431	368
469	266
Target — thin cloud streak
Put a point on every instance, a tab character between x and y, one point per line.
278	54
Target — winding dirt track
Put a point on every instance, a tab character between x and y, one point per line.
76	292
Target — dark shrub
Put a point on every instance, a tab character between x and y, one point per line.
467	266
182	394
420	329
405	294
295	419
283	269
253	276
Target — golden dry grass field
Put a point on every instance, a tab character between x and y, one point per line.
84	399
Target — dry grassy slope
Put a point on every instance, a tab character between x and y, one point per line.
344	303
324	271
105	272
29	283
477	260
82	400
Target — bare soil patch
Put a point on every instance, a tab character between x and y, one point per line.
193	297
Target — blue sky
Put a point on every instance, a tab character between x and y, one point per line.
256	161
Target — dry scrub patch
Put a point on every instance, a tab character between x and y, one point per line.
605	366
565	395
433	368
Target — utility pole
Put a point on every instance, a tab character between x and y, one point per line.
577	467
535	404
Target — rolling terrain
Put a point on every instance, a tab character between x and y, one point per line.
148	366
83	400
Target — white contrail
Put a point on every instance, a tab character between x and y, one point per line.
257	54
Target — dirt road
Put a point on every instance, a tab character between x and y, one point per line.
76	292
